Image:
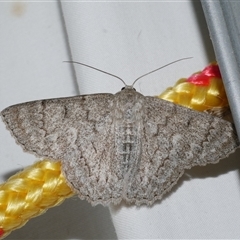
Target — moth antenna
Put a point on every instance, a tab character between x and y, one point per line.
181	59
83	64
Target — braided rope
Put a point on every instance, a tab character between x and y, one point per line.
32	191
202	91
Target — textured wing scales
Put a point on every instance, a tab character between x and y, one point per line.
79	132
176	138
47	128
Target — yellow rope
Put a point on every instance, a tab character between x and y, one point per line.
198	97
31	192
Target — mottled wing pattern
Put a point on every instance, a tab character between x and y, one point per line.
50	128
176	138
79	132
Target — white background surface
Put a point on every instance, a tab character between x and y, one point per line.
127	39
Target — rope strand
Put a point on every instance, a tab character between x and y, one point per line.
30	193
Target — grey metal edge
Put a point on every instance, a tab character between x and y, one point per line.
223	20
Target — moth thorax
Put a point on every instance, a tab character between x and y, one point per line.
129	106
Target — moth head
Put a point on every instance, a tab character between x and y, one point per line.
128	87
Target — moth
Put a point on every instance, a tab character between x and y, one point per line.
123	146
